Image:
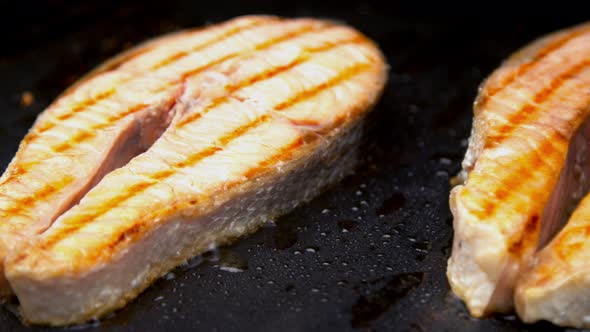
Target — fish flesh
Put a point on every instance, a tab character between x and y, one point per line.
525	116
555	287
180	144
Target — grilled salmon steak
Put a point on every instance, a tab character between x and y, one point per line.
521	184
182	143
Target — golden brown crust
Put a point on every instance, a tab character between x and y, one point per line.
525	115
200	155
19	167
225	143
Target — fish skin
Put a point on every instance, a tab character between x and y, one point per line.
525	114
261	122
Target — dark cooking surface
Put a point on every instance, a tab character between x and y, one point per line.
370	253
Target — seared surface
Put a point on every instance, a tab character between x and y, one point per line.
266	113
525	116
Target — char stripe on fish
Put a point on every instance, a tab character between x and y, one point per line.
85	134
214	41
352	71
111	91
519	178
525	67
267	75
129	233
529	110
187	74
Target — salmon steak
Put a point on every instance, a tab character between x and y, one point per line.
185	142
521	222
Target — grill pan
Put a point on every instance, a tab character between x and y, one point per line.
367	255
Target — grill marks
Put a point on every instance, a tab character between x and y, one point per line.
86	134
524	68
111	91
489	202
79	221
76	109
520	138
230	32
137	228
173	146
259	47
82	135
110	120
517	179
527	238
283	154
528	110
46	191
352	71
265	76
